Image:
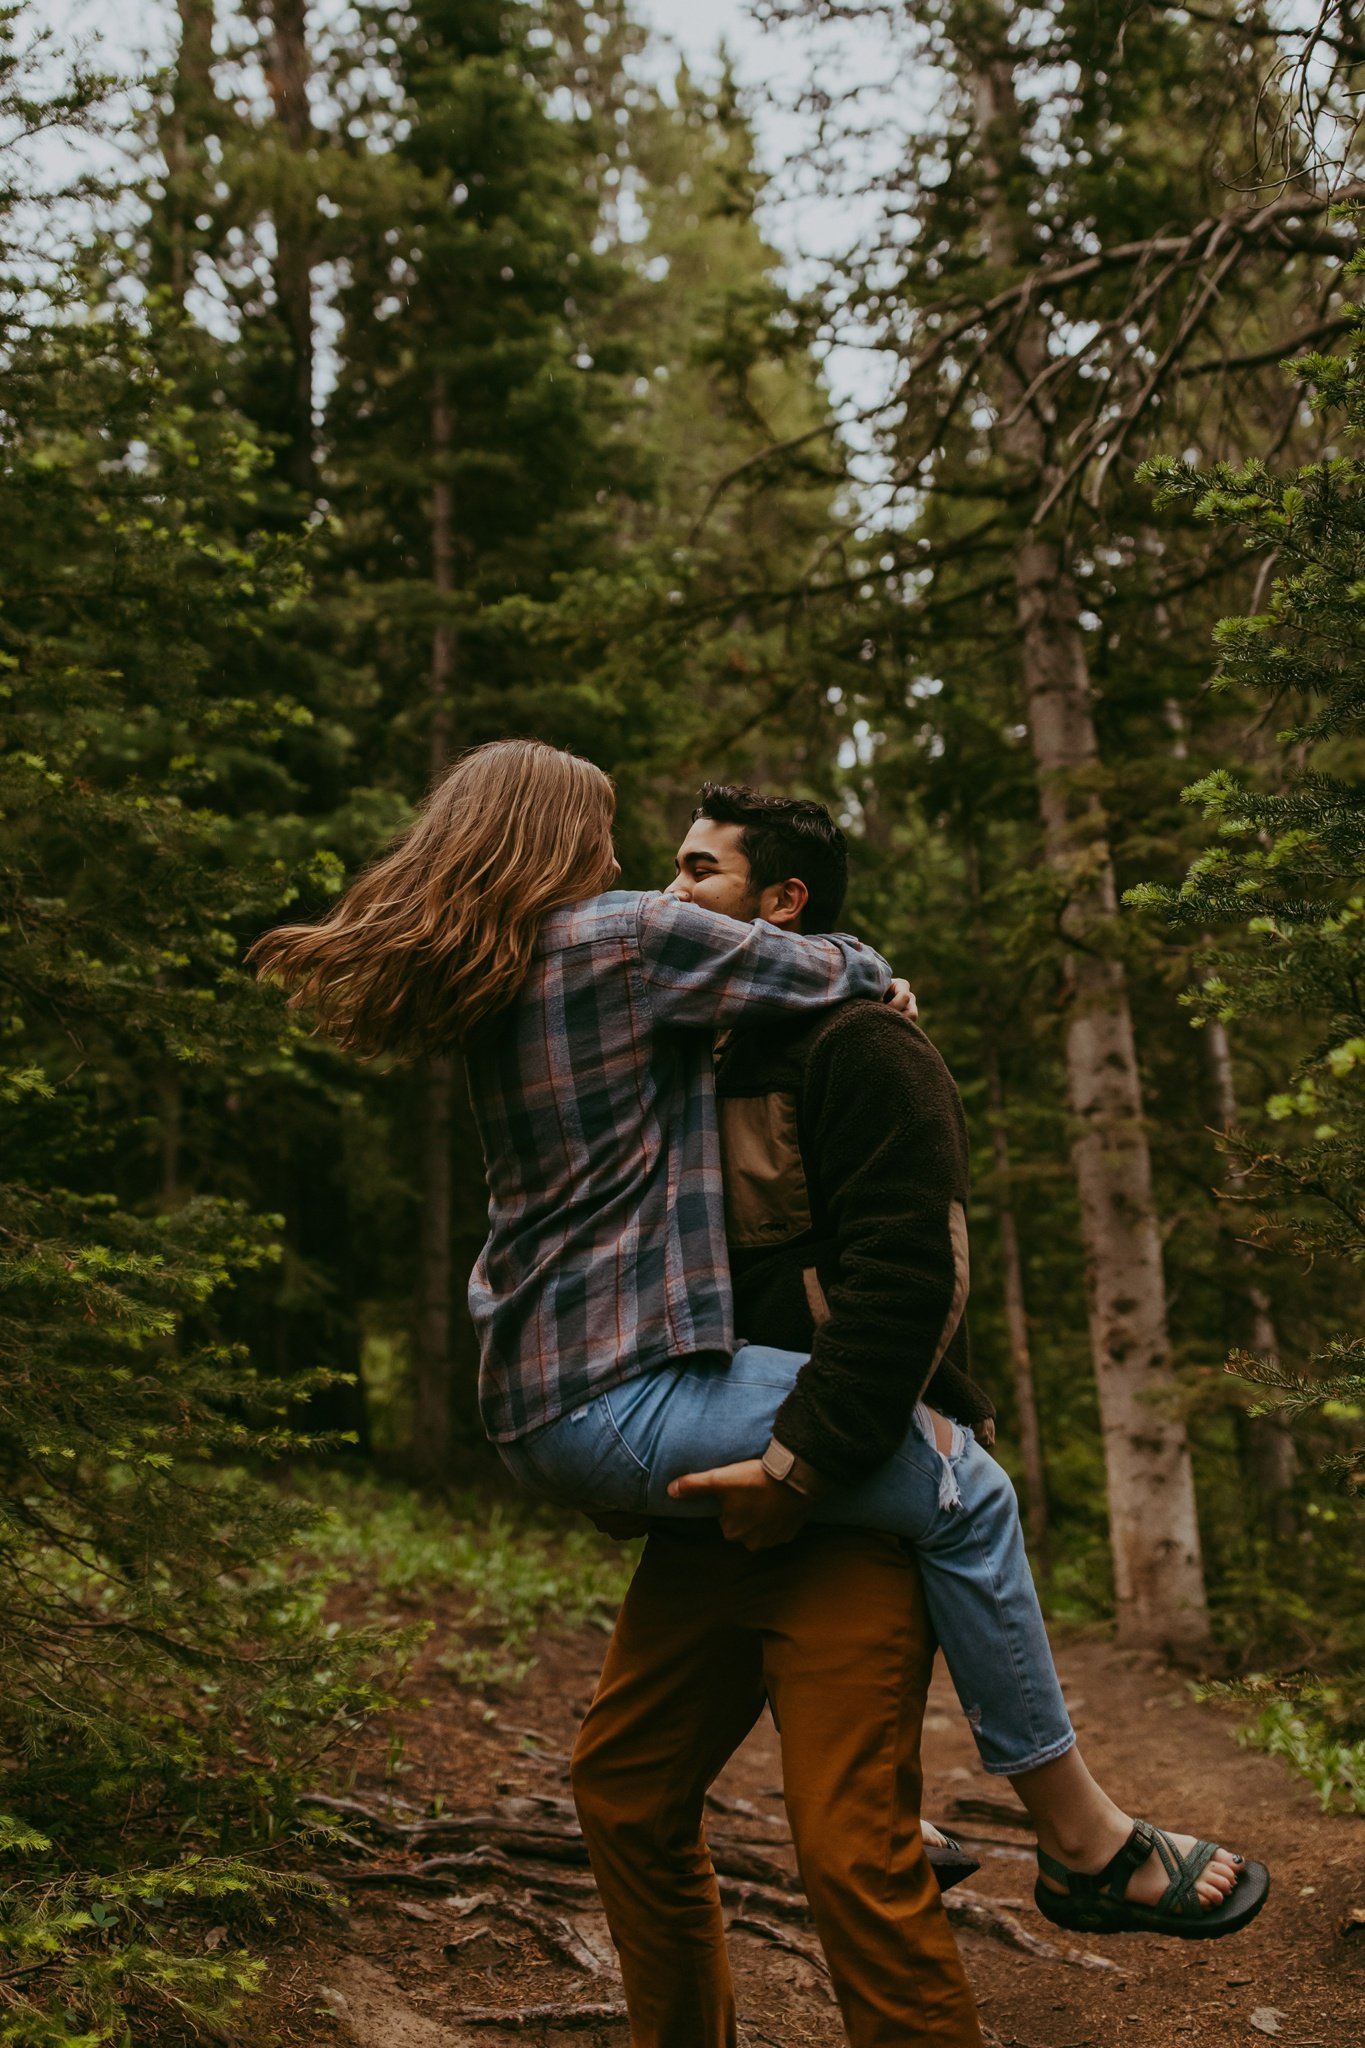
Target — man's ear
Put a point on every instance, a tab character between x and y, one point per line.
784	903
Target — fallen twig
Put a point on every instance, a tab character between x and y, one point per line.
517	2018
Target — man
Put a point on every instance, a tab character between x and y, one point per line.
827	1624
845	1165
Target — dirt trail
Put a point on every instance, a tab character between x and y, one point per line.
406	1964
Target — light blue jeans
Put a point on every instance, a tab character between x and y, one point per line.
619	1451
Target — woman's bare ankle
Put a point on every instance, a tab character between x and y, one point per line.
1075	1820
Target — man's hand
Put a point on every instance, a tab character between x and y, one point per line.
755	1510
900	997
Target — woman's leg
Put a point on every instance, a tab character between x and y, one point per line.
620	1452
985	1611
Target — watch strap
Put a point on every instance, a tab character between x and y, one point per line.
787	1469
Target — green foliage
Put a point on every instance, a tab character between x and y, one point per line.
1300	1731
519	1568
1279	888
572	477
163	1698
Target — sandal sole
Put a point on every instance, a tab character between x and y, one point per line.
951	1865
1237	1912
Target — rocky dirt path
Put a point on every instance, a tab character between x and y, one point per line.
423	1968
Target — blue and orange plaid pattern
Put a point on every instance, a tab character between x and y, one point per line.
595	1103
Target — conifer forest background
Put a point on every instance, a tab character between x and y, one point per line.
378	380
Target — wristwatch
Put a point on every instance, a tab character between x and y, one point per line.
788	1470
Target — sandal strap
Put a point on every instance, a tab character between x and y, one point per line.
1184	1871
1117	1872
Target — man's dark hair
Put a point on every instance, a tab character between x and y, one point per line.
785	836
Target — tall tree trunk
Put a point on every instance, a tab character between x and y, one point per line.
1272	1455
1011	1264
182	132
434	1405
170	1114
286	71
1154	1528
1016	1323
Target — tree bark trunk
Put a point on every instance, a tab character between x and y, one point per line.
170	1106
1272	1454
1016	1324
1154	1528
434	1404
287	71
182	134
1012	1265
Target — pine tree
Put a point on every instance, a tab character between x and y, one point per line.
1280	889
1063	275
162	1688
469	462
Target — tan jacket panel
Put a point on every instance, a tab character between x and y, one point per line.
767	1201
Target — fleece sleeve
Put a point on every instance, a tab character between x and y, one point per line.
883	1132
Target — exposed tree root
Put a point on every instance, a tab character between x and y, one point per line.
786	1905
520	2017
543	1829
557	1839
439	1873
983	1916
782	1938
556	1934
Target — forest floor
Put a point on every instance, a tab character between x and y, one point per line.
406	1966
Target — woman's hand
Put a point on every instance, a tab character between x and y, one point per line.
755	1510
900	997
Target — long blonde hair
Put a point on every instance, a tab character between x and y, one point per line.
437	936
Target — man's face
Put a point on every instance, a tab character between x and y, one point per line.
713	872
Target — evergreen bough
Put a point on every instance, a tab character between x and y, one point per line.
1283	887
166	1685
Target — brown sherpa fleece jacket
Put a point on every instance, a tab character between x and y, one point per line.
845	1154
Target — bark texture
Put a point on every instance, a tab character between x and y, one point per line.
1154	1529
435	1390
285	25
183	126
1011	1261
1016	1325
1269	1452
1271	1455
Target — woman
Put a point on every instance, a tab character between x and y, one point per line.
586	1017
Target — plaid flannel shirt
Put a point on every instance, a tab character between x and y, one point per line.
595	1102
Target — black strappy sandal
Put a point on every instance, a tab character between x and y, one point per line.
951	1863
1096	1905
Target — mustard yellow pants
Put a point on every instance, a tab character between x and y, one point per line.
830	1629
